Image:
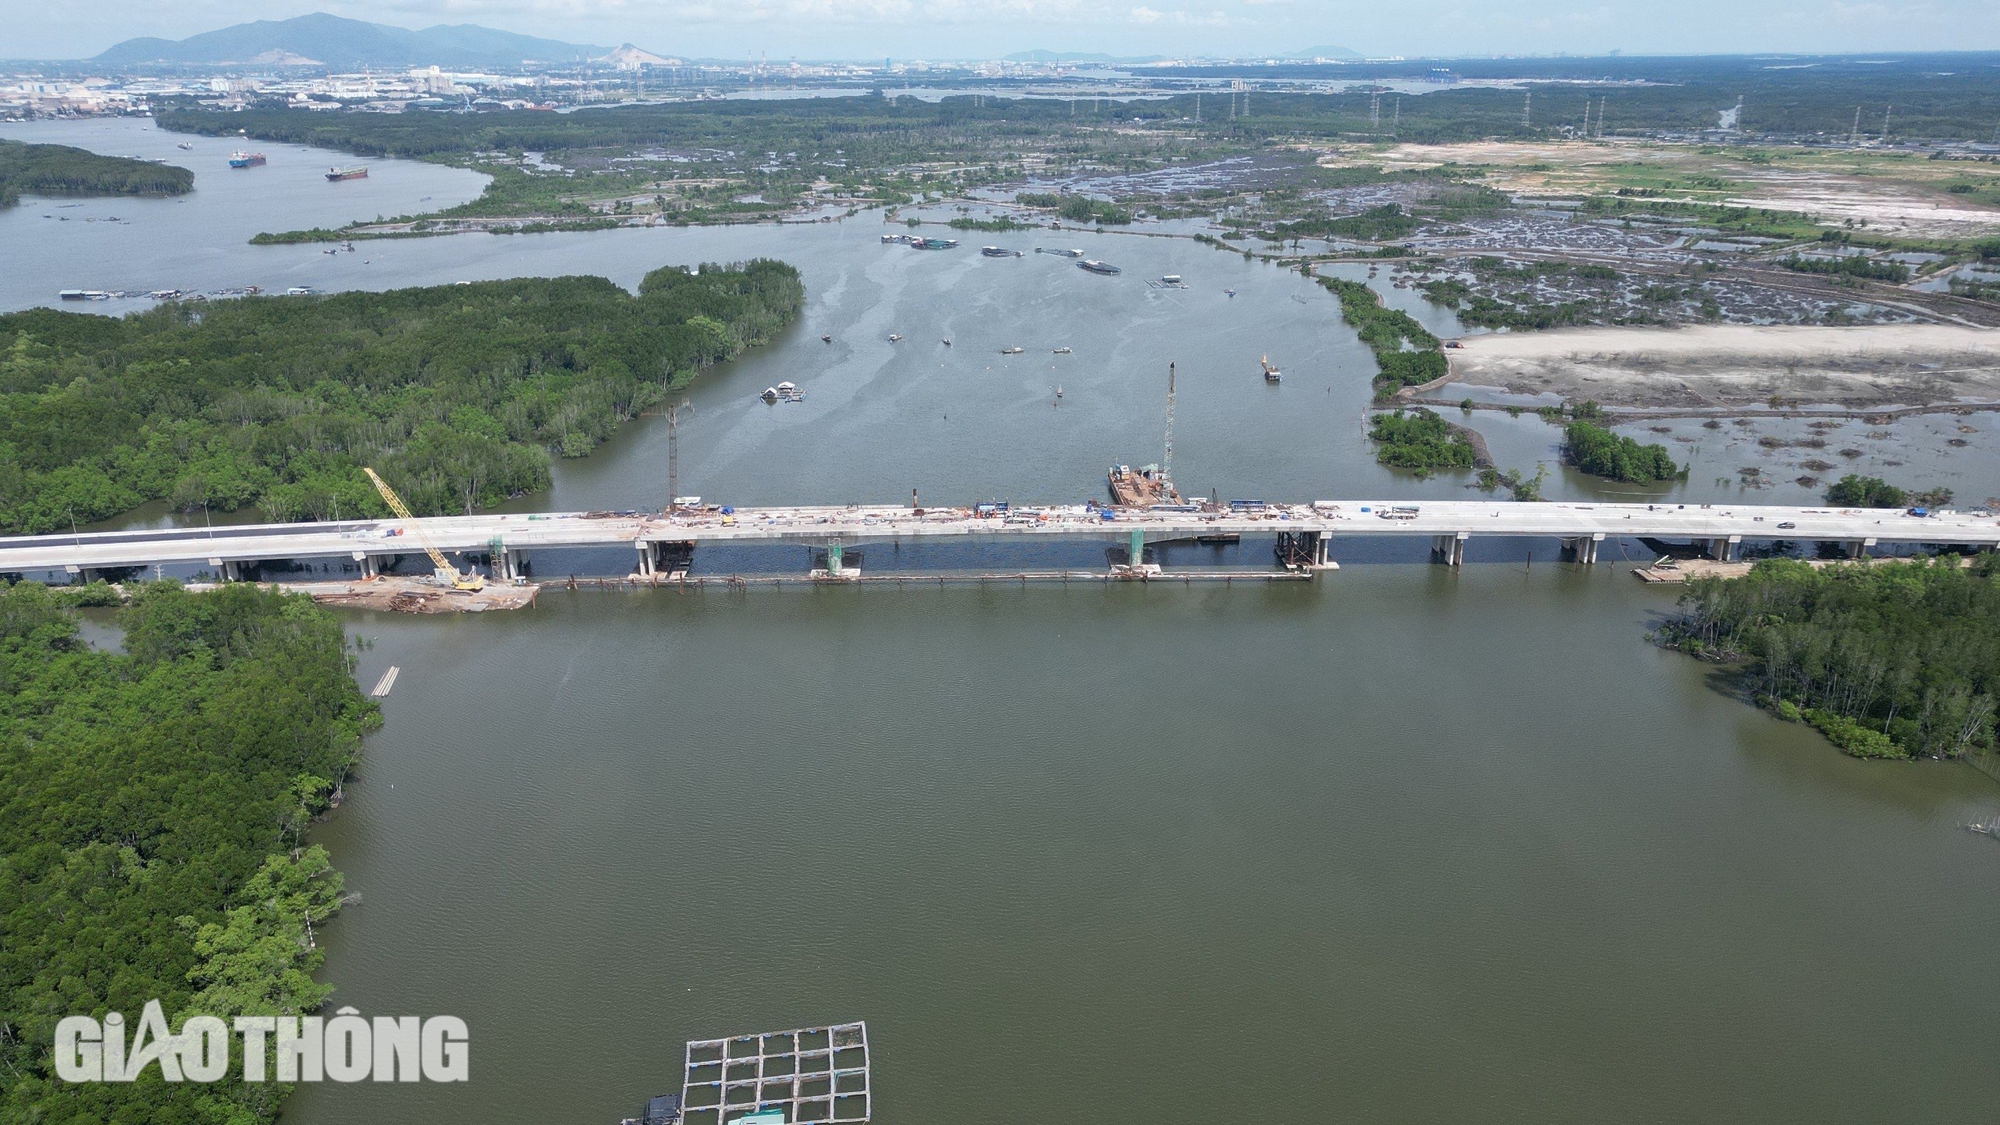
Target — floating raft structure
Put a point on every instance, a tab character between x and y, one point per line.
806	1076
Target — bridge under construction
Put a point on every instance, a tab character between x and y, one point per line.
662	545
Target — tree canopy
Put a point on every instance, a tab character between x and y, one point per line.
1896	660
62	170
1600	452
458	394
151	812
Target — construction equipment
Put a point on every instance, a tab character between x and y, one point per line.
445	572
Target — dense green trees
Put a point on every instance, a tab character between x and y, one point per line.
1420	439
1856	491
151	809
1600	452
1406	354
62	170
1850	266
1077	208
458	394
1892	660
1377	224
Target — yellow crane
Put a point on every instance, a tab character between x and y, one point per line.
446	572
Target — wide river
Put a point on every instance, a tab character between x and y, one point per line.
1402	844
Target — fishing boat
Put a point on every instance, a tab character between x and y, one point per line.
997	252
241	159
947	341
770	394
1095	266
1012	351
1060	253
1271	374
1064	350
359	172
826	339
894	338
1058	391
185	145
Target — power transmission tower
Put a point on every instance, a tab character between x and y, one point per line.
1854	138
1374	110
1885	123
1528	111
1396	118
673	416
1167	461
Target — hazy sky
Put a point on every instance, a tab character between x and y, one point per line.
986	28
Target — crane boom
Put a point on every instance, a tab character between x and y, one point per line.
445	571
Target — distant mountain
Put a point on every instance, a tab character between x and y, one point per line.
1324	53
627	57
344	44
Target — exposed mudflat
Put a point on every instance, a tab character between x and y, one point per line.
1730	364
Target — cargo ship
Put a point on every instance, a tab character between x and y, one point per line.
246	159
1141	488
997	252
337	174
1095	266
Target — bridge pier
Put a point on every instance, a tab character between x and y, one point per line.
1857	548
1584	547
367	563
1724	550
1450	548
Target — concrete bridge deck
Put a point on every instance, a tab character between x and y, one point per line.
1717	528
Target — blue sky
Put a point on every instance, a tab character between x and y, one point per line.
985	28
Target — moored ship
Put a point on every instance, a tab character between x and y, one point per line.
337	174
1141	488
245	159
1095	266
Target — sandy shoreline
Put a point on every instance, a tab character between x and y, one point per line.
1733	364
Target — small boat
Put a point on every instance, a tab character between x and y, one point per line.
947	341
1064	350
770	394
1058	392
1229	292
240	159
185	145
359	172
1095	266
894	338
997	252
828	339
1271	374
1012	351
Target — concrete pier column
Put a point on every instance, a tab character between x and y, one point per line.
1857	548
1724	550
645	557
1135	548
367	563
514	562
1320	549
833	560
1457	557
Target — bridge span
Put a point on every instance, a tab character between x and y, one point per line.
1304	532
